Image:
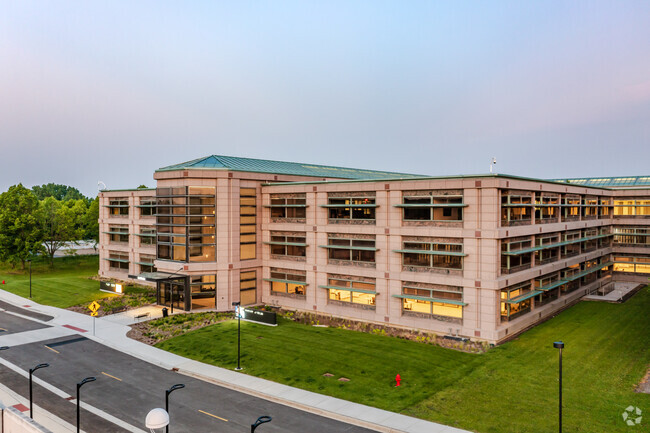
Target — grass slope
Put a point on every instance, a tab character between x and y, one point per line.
64	285
516	388
512	388
299	355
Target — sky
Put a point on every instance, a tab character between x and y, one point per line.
112	90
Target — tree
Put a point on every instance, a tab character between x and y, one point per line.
59	192
59	224
20	235
142	187
91	221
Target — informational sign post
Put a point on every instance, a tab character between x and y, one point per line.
110	287
258	316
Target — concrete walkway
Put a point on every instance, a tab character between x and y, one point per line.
111	331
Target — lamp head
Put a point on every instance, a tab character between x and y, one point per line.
262	420
558	345
86	380
157	418
175	387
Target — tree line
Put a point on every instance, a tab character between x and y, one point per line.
42	219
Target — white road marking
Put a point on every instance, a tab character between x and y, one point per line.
65	396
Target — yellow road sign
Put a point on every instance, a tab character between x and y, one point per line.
93	307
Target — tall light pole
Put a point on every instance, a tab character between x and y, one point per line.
30	278
560	345
169	391
31	400
237	306
79	385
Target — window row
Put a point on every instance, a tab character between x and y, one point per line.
419	253
522	253
418	298
434	206
522	207
519	299
632	236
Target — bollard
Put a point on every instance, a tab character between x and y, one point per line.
397	380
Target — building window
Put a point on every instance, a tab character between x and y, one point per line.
516	301
247	223
146	263
118	207
203	290
432	255
549	286
604	205
288	244
571	208
118	234
590	239
185	222
351	208
590	208
445	302
248	287
631	207
546	209
287	281
432	206
632	236
147	236
516	208
118	261
351	290
548	248
290	207
341	249
147	206
632	264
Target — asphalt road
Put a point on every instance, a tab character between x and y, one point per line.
10	324
128	388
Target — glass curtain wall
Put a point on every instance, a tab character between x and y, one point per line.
186	232
185	224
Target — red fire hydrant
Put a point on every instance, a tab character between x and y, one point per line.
398	378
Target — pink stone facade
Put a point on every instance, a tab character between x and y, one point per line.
478	265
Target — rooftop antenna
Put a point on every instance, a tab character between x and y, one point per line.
102	186
493	163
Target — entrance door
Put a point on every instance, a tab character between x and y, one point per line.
173	292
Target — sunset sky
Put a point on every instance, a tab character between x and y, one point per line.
112	90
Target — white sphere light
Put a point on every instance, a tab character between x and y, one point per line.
157	418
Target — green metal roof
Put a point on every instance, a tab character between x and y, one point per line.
609	182
219	162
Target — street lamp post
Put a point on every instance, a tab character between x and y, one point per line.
238	310
30	278
260	420
79	385
560	345
169	391
31	400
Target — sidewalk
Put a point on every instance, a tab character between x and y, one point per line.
111	331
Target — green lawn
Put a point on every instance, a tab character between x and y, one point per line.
64	285
512	388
